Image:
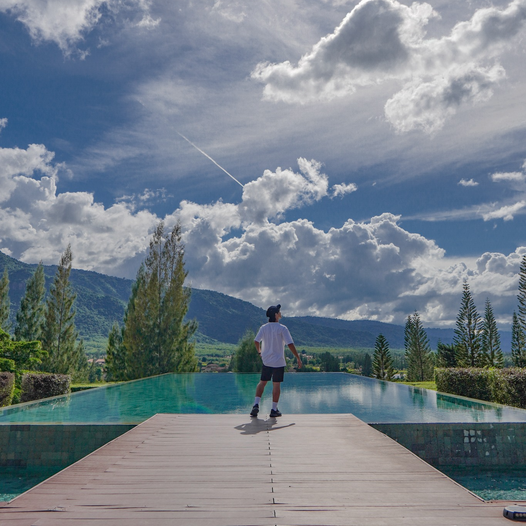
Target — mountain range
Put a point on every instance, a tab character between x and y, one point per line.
102	299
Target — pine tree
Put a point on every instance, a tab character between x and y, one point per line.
417	350
59	334
521	296
518	343
5	304
156	337
30	317
382	361
367	367
446	355
491	351
115	362
246	358
467	338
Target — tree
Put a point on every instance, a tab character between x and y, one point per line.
467	337
491	351
115	362
58	333
25	355
518	343
329	362
246	358
382	361
367	367
5	304
30	317
446	355
156	337
521	296
417	350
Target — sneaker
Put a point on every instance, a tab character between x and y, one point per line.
255	410
274	413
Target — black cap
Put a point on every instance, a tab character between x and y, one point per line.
272	311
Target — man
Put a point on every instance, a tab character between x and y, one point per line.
274	337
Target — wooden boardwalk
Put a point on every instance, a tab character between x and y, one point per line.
216	470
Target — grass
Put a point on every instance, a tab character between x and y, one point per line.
424	385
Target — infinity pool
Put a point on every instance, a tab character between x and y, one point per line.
370	400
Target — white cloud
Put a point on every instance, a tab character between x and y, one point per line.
369	269
66	22
382	40
508	176
467	182
505	212
339	190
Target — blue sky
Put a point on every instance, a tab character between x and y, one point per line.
380	145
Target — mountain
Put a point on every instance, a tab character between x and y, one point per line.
102	299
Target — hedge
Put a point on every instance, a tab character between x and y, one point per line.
7	386
504	386
7	365
36	386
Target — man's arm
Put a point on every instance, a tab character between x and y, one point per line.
257	347
292	347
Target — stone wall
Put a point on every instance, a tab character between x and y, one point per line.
464	445
30	446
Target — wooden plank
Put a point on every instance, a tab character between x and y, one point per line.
201	470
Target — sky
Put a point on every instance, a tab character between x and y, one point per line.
358	160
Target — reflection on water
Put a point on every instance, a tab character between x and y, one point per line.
368	399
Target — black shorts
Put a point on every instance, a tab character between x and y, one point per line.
274	373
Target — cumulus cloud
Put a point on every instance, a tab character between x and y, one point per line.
382	40
371	269
66	22
339	190
466	182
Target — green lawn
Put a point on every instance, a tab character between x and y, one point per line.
425	385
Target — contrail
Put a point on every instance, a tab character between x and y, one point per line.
208	156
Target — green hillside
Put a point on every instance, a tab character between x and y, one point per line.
102	299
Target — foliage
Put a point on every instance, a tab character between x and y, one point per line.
467	338
471	382
115	355
246	359
446	355
518	343
156	336
382	361
521	296
432	386
5	304
30	316
7	387
59	334
417	350
329	362
367	366
25	355
491	351
36	386
505	386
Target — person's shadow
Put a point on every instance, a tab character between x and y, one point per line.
257	425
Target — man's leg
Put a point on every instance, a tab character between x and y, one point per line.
259	393
260	388
276	391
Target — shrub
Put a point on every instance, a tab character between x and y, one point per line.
44	385
7	365
505	386
7	386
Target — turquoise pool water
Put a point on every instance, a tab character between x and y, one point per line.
14	483
370	400
492	484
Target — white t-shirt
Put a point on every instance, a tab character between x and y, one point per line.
274	336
